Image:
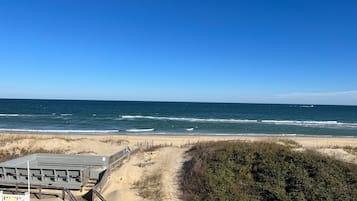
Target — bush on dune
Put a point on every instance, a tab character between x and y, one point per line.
265	171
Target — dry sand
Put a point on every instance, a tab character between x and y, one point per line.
164	163
161	166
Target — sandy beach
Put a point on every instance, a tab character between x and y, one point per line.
178	100
152	171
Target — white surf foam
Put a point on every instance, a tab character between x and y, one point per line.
24	115
57	131
318	124
15	115
65	115
189	119
137	130
330	124
307	106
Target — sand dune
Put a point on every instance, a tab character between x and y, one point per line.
154	172
164	163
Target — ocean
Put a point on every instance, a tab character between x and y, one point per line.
175	118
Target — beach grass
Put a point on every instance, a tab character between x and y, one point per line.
150	187
265	171
11	154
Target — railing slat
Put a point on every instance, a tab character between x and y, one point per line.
114	161
70	195
98	195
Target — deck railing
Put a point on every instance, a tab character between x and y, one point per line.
114	161
67	195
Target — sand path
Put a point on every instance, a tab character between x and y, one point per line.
166	162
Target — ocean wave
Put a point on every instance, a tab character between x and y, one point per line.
190	129
35	115
25	115
307	123
16	115
307	106
65	115
138	130
189	119
296	122
330	124
57	131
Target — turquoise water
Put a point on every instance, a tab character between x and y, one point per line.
122	117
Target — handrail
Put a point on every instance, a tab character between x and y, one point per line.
70	195
119	156
114	161
98	195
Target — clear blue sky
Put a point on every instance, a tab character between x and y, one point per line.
185	50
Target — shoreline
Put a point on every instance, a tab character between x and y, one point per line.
257	135
181	140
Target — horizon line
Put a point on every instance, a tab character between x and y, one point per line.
172	101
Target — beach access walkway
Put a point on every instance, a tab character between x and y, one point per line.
60	172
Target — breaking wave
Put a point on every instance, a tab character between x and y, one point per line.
16	115
189	119
30	115
57	131
329	124
318	124
137	130
65	115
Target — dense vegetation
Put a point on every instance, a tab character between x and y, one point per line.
265	171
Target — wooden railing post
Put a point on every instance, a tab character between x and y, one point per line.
63	195
40	193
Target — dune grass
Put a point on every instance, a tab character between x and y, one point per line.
265	171
8	155
150	187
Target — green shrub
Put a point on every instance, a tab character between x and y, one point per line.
265	171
